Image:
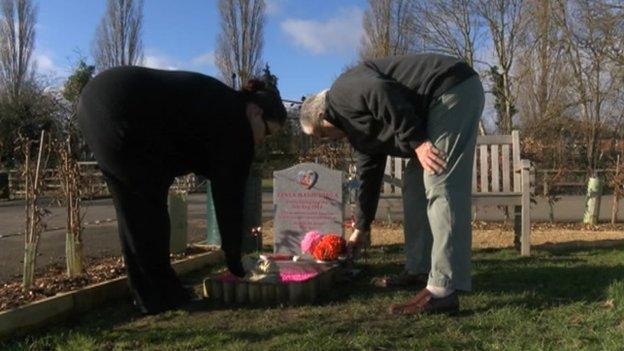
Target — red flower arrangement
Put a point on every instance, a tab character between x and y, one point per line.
329	248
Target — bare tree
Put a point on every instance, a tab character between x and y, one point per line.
451	27
388	27
239	44
504	20
613	17
595	77
118	37
17	40
540	70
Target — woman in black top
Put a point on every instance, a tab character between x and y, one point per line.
145	127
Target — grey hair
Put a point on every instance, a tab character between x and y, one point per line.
312	112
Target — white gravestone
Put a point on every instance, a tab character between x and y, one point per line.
306	197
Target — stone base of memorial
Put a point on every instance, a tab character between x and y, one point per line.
297	283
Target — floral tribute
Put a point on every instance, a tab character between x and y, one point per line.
310	240
323	247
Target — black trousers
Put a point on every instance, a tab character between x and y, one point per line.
144	233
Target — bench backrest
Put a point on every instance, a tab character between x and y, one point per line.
496	159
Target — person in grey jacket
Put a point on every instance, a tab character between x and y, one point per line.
425	107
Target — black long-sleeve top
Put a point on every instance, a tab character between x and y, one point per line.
382	106
146	126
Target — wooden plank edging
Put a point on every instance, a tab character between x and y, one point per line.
62	306
255	294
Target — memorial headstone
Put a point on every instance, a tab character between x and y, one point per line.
306	197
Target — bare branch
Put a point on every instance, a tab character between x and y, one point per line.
17	39
118	39
388	27
240	42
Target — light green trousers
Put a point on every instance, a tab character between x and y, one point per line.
437	208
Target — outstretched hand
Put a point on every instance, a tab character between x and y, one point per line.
358	240
431	158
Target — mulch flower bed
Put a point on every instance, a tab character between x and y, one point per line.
549	226
483	225
53	279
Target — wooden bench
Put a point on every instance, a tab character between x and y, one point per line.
499	178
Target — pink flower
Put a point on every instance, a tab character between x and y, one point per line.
310	240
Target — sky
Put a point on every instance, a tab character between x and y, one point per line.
306	43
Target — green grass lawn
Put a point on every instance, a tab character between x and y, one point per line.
566	299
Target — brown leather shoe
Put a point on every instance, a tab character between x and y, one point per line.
404	279
424	303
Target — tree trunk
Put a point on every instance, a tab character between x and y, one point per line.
30	255
592	202
73	254
33	215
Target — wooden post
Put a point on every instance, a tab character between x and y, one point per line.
295	293
241	290
281	293
325	281
311	290
206	288
387	188
228	293
398	174
268	294
255	294
525	238
216	290
178	216
616	192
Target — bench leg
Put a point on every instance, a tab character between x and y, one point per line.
526	209
526	231
517	226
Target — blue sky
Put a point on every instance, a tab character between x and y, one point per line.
307	43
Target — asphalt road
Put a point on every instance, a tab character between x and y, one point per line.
100	235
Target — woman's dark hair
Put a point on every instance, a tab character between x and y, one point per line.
267	97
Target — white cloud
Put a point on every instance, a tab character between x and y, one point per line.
159	61
339	34
206	59
273	7
156	59
45	63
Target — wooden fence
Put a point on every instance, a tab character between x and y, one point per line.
95	186
93	180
